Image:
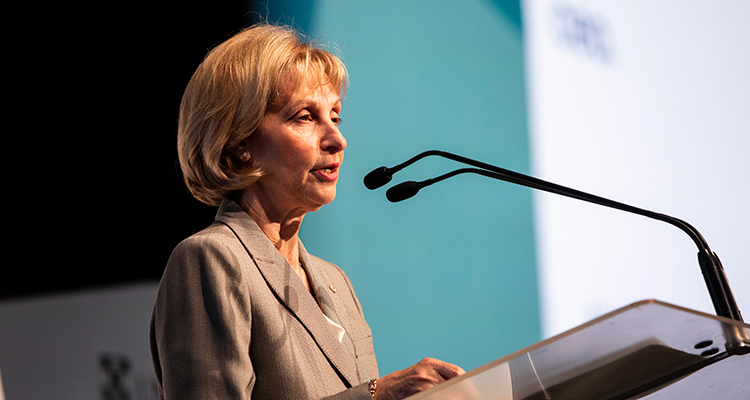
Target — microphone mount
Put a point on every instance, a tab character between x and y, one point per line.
713	272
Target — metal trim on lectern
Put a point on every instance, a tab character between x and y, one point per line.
646	350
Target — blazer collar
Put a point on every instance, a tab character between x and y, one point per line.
288	288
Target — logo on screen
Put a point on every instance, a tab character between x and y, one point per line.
582	32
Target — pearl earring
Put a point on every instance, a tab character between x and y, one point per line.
245	155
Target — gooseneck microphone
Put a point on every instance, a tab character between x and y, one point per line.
713	272
379	177
408	189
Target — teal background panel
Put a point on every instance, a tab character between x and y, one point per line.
451	272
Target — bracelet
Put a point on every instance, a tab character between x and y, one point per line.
373	385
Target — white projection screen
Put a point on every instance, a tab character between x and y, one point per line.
646	102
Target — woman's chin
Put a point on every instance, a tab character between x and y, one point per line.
320	199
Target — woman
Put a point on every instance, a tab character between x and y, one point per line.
243	310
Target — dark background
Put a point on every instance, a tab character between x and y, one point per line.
97	197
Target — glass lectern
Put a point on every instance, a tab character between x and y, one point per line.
647	350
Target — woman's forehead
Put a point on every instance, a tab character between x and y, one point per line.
297	86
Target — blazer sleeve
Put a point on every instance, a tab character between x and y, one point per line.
200	333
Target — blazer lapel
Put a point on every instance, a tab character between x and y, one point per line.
330	303
288	288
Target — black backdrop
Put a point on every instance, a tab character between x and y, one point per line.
98	198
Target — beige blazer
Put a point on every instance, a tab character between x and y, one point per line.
233	321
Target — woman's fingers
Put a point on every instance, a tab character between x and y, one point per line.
443	370
447	370
420	376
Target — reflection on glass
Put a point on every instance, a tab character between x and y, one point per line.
647	350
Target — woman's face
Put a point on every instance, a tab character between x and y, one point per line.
300	149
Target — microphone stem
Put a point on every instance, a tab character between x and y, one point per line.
535	183
713	272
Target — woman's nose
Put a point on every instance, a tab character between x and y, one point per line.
333	140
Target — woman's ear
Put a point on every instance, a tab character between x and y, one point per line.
242	151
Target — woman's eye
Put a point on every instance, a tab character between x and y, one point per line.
335	117
305	117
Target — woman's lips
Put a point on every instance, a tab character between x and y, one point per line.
328	172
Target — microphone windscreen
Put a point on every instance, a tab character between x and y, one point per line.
402	191
377	178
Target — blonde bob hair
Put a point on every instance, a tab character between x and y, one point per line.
225	101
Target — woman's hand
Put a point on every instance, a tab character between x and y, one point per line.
420	376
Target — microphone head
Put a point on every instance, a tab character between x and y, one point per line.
377	178
402	191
